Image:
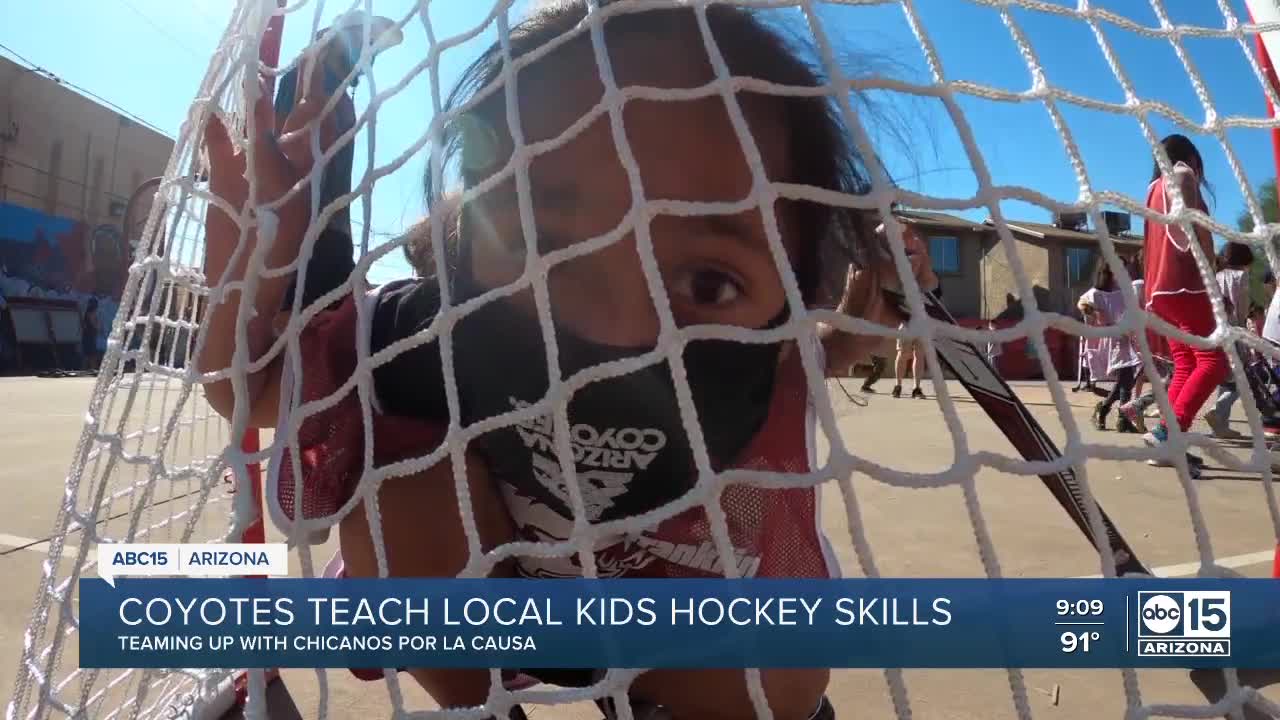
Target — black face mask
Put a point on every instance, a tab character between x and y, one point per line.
627	437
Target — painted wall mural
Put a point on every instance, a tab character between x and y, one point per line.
55	257
59	254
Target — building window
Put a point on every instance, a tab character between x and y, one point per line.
1079	265
945	253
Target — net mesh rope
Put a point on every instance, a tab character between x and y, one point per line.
153	458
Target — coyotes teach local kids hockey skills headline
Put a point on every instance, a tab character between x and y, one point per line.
509	612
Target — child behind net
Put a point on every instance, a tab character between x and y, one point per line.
1233	262
628	438
1119	357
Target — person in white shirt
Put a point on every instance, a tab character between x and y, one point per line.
1271	332
1093	351
1271	325
1234	259
911	350
1121	358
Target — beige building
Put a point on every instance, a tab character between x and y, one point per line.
68	165
978	282
976	273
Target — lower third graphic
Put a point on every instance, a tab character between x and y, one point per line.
1191	623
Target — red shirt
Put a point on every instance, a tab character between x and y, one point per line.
1169	266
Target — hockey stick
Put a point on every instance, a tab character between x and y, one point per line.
856	401
1008	412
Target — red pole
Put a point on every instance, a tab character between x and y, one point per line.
256	532
1269	70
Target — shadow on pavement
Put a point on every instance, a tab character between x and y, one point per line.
1213	685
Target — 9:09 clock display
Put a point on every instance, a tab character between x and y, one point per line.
1079	608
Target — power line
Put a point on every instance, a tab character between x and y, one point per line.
83	91
160	29
194	7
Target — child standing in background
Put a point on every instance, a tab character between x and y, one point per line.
1093	351
1134	411
1175	291
1233	282
89	327
1122	362
911	350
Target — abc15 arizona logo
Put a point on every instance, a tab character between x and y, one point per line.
1191	623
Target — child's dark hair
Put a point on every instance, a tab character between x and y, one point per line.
1180	149
820	150
1237	255
417	240
1103	278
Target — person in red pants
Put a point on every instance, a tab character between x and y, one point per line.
1175	289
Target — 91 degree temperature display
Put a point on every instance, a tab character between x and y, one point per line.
1073	641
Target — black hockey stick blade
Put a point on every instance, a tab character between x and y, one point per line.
1003	406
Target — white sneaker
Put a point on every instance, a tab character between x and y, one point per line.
1158	436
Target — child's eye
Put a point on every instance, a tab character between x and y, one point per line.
708	286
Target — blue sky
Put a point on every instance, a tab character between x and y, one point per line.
149	57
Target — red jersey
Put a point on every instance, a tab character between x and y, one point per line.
1169	266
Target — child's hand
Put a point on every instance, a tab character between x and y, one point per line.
865	296
284	165
282	157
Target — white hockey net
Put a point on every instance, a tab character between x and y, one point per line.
153	459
